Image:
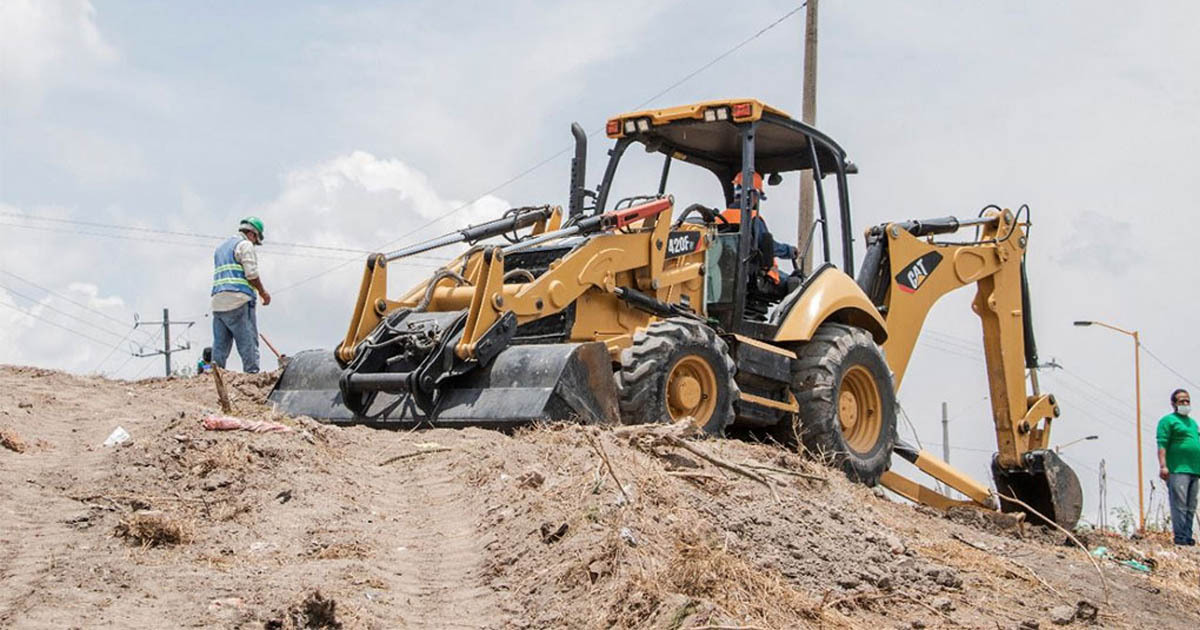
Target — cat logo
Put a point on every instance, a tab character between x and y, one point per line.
680	243
913	276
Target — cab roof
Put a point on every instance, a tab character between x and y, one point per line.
708	133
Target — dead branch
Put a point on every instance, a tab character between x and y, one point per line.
784	471
961	539
687	474
649	436
599	448
222	393
425	451
1027	569
1038	578
1103	579
928	607
721	463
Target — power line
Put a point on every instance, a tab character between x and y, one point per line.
559	152
141	371
132	356
967	448
722	55
44	321
79	304
1079	464
1096	388
63	297
177	242
1169	368
133	228
59	311
114	349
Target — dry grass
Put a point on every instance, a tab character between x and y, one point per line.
679	573
10	440
313	612
153	529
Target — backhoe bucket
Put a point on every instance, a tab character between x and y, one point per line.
523	384
1047	484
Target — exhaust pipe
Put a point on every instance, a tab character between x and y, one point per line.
578	171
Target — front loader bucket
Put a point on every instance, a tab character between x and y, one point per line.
309	387
1047	484
522	384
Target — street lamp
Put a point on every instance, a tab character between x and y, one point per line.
1060	447
1137	376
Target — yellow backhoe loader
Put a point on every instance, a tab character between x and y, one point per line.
630	311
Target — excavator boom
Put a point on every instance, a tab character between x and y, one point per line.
905	273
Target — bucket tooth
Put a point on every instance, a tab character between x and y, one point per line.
1046	483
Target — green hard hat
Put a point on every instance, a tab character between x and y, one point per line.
255	224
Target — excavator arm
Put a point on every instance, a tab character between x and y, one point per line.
905	273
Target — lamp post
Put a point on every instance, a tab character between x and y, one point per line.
1060	447
1137	376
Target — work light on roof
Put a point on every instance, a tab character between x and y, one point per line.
643	124
714	114
630	126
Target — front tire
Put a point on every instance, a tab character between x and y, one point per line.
847	401
677	368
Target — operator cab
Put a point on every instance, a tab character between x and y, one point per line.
734	139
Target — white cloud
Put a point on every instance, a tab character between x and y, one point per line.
356	200
40	40
91	293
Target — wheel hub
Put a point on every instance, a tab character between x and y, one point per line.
848	410
860	409
691	390
685	392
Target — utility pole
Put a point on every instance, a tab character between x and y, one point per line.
808	115
167	349
1102	518
946	438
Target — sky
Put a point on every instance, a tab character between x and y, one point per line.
351	127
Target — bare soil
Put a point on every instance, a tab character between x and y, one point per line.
328	527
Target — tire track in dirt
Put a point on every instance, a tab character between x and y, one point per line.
437	549
34	517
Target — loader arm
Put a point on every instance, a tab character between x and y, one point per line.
906	272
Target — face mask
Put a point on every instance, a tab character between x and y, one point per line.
1183	410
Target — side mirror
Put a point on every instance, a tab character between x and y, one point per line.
774	179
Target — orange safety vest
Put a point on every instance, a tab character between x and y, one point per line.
734	217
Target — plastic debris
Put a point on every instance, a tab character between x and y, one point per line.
118	436
1137	566
229	423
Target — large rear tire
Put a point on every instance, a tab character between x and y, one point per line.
847	401
677	368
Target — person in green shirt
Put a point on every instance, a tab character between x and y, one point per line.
1179	464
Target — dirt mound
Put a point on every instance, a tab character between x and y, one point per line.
554	526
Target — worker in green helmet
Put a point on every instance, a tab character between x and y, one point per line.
235	280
